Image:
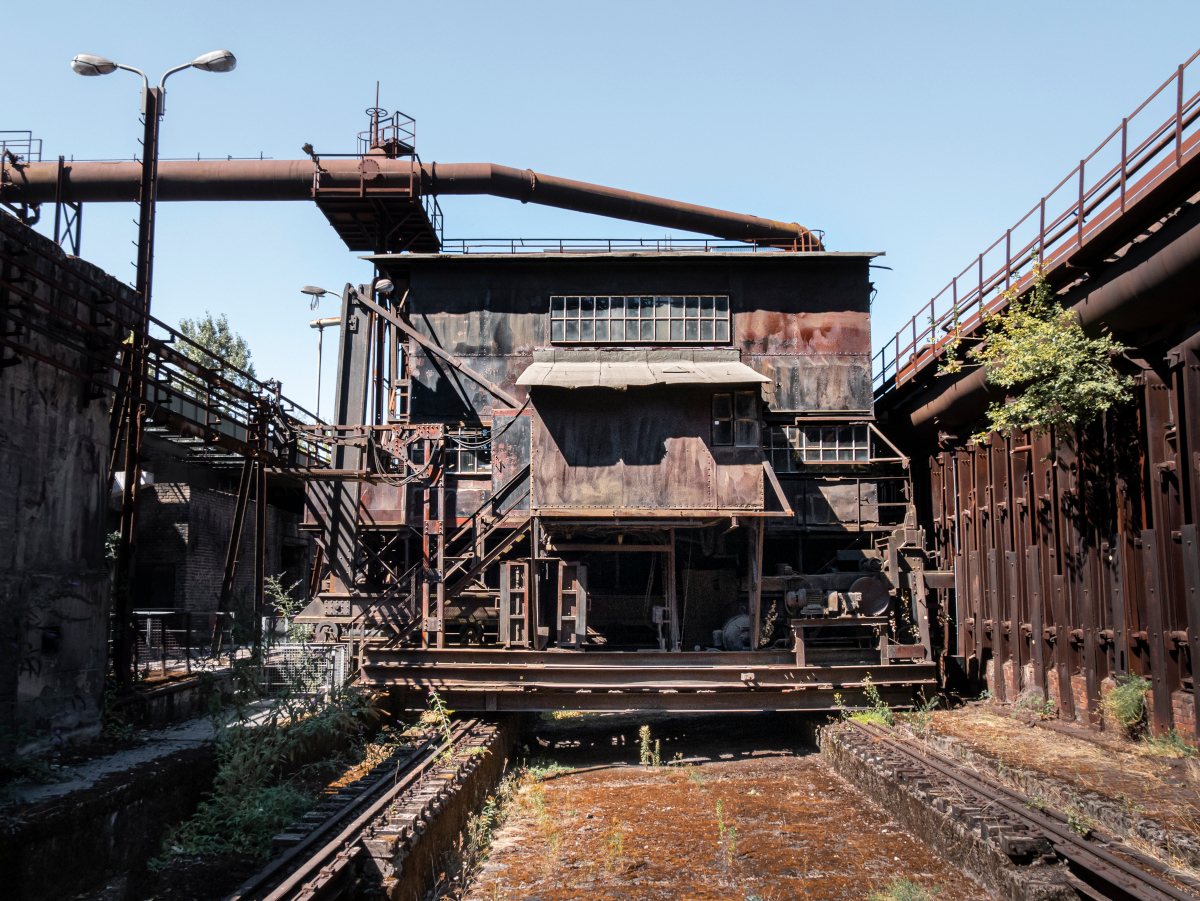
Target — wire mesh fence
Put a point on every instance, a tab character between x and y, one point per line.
303	669
178	642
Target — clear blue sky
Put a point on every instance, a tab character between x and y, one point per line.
919	129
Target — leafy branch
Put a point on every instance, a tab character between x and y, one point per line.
1061	379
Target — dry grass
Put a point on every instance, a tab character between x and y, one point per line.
1136	778
1037	749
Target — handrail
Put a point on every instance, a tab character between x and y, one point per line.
202	397
467	246
960	306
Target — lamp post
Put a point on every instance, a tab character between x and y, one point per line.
134	413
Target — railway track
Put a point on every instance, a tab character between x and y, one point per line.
1099	865
374	830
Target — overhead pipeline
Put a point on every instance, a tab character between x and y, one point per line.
261	180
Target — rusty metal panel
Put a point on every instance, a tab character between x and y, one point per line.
1114	565
804	324
826	383
1037	640
640	449
440	392
1190	540
465	498
775	331
1062	665
382	505
975	607
846	502
1156	639
994	616
510	458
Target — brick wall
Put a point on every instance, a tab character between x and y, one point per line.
1079	695
185	529
1010	683
1183	707
1052	689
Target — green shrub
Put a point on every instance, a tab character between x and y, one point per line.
260	766
1126	703
877	710
1059	378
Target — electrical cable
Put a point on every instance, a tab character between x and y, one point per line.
462	445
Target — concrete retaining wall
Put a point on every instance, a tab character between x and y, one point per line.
58	848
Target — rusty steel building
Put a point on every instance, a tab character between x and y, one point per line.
598	474
620	477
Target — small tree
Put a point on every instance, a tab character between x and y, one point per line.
1062	379
215	336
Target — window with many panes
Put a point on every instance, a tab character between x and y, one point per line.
468	451
661	319
790	447
735	419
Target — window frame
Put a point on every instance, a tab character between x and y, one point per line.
472	454
754	421
660	319
816	445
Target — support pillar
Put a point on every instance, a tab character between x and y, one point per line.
754	555
672	598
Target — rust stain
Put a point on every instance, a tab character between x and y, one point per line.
771	332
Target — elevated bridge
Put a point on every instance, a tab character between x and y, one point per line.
1075	554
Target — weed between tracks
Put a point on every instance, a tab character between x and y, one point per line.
519	789
270	767
1134	777
902	889
741	825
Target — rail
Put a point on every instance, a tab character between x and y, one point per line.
317	867
1090	856
176	642
1081	208
190	389
22	145
465	246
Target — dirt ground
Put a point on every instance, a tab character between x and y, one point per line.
1164	789
747	811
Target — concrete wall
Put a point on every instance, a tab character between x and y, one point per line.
54	447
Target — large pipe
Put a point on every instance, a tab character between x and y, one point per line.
93	182
1151	286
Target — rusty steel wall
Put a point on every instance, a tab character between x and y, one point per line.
642	449
801	319
1075	556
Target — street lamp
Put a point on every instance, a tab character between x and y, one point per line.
134	414
152	109
320	324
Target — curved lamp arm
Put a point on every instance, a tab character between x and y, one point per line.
171	72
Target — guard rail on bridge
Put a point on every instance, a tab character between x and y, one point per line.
1097	207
